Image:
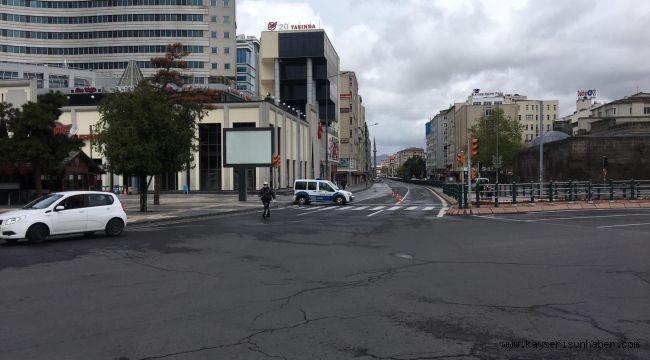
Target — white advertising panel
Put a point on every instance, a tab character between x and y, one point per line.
249	147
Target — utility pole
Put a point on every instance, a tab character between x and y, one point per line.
374	169
469	169
541	147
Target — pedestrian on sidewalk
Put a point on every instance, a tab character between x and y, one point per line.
266	195
343	183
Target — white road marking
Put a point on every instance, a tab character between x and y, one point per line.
622	225
375	213
408	189
359	207
429	208
378	208
313	211
344	208
584	217
411	208
445	206
394	208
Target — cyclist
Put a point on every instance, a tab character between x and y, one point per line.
266	195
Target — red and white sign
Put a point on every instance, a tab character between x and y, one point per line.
345	96
587	94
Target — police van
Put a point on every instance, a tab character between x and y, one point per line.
306	191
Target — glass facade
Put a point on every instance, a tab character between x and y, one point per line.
92	50
99	34
96	19
98	3
210	156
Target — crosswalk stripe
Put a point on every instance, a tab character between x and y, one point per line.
411	208
378	208
344	208
394	208
428	208
359	208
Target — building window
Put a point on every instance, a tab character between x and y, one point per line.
226	3
215	50
526	107
519	117
213	19
488	112
529	117
226	66
226	50
536	117
646	110
226	19
215	66
226	34
548	127
554	107
548	117
213	34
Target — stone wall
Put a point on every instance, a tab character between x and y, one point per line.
580	158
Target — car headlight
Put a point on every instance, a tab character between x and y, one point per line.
14	220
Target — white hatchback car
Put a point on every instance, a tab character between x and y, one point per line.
61	213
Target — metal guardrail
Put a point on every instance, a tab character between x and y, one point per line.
550	192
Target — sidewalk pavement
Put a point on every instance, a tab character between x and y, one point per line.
199	204
545	206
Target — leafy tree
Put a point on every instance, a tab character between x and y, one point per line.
33	138
509	136
191	103
143	133
413	167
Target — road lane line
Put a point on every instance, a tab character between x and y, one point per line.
622	225
375	213
313	211
394	208
377	208
582	217
429	208
359	207
344	208
411	208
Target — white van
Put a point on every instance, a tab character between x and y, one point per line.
306	191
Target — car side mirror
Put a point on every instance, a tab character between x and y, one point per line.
59	208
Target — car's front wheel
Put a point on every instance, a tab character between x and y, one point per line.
114	227
339	200
37	233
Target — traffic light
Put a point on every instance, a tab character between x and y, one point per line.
474	146
276	160
460	158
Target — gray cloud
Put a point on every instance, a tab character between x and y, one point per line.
416	57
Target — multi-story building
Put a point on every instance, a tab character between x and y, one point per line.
48	77
437	157
403	155
300	70
353	133
569	124
630	109
104	35
529	113
248	60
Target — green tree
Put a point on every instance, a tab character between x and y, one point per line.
33	139
143	133
413	167
509	136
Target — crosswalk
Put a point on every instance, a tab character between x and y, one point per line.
367	208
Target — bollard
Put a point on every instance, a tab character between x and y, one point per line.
589	194
514	193
632	189
611	190
550	191
532	193
478	195
570	190
465	195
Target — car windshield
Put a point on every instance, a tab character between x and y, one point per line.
43	201
333	186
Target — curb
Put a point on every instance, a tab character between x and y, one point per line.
527	208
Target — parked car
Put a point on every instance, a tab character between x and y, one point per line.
70	212
306	191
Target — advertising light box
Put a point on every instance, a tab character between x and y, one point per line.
248	147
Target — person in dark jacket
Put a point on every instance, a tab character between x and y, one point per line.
266	195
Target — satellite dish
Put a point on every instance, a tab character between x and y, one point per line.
74	129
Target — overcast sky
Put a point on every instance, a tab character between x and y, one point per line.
414	58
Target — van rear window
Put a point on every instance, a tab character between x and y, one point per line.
301	185
311	185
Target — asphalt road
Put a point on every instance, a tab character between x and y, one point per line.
326	282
